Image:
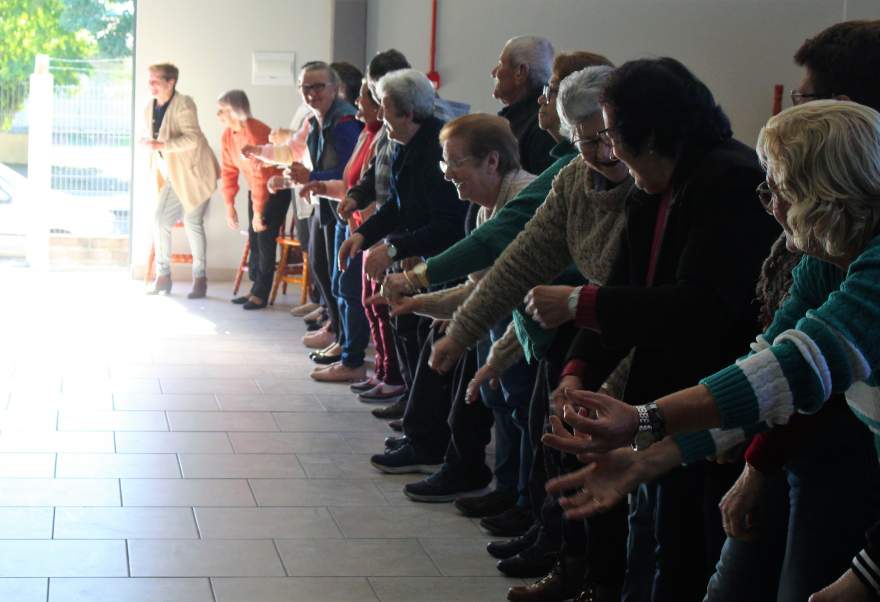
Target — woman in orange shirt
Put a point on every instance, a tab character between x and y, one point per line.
266	212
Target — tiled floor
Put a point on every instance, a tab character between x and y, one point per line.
159	449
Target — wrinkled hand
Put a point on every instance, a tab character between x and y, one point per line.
848	588
730	456
317	187
557	397
485	374
398	306
740	504
299	173
232	218
280	135
349	248
609	477
613	424
277	183
548	305
377	262
257	223
440	326
396	286
347	206
444	354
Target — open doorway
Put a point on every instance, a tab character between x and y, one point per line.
65	134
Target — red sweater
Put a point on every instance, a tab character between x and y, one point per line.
255	172
360	160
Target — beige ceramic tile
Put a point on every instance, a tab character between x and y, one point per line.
130	466
186	492
214	558
130	590
125	523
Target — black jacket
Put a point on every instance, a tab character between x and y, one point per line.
700	313
424	215
534	143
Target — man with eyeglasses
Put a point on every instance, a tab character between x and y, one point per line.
332	137
523	67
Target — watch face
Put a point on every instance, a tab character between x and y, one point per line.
643	440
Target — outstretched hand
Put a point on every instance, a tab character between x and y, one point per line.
607	424
485	374
348	249
444	354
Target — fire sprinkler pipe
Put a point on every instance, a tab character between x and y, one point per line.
432	71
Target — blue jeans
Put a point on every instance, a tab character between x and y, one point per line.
833	498
510	406
347	287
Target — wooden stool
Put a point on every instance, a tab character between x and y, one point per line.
175	258
295	273
242	266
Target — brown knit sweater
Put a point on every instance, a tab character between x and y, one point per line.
574	224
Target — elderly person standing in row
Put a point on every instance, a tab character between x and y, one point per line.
523	68
185	171
266	212
332	137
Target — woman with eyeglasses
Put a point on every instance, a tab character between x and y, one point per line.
823	186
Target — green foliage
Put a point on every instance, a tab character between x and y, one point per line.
65	29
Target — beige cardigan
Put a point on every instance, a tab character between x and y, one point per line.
192	168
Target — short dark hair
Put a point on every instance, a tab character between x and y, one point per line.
167	71
351	78
845	59
386	62
660	101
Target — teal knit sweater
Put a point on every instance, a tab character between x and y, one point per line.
825	339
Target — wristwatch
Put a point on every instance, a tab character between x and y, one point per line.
652	427
419	274
391	249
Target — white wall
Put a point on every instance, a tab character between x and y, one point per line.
740	48
211	41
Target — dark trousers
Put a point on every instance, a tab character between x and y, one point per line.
427	408
470	425
322	254
263	246
354	332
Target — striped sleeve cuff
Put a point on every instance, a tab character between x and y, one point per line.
866	570
695	446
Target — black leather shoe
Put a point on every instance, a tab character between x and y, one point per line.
251	305
528	564
324	359
510	523
598	593
445	485
494	502
396	425
509	548
393	442
392	412
405	460
241	300
313	326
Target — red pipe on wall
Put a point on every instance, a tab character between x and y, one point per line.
432	72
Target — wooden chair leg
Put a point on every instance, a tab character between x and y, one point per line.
244	259
304	293
280	272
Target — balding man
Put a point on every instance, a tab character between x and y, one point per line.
523	68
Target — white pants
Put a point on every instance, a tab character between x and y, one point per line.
168	211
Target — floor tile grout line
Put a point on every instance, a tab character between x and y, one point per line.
127	559
211	586
280	558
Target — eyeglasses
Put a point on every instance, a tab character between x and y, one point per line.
312	88
547	91
592	142
768	197
605	135
798	97
454	163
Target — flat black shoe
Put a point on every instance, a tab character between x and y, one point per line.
241	300
251	305
405	460
494	502
527	564
445	486
509	548
313	326
324	359
396	425
510	523
393	442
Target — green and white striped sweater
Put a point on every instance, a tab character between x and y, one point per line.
825	339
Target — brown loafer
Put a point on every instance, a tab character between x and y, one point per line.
199	290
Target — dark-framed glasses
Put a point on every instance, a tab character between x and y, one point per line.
605	136
312	88
588	143
547	91
798	97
